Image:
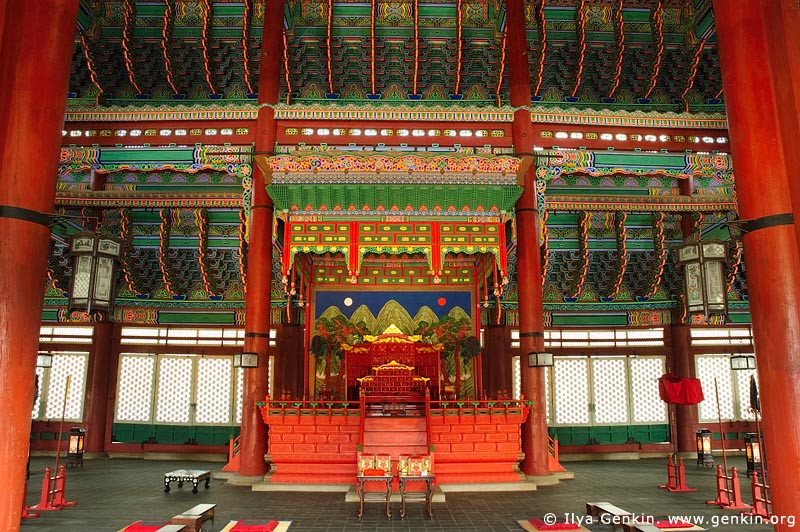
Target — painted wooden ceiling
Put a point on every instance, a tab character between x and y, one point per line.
642	54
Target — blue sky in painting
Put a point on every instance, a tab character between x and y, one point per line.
440	302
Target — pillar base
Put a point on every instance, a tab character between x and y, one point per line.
242	480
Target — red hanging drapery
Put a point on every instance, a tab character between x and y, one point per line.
680	390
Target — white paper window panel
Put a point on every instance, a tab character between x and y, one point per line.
214	390
604	337
714	372
239	393
610	387
571	381
548	400
174	392
720	336
67	370
37	404
646	403
516	384
181	336
135	388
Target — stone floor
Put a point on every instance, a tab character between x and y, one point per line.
112	493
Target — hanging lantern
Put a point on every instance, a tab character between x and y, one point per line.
540	360
94	268
743	361
245	360
44	360
704	285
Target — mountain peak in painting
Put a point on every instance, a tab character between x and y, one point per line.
393	313
425	315
458	314
363	314
330	313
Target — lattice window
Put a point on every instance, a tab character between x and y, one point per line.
214	386
743	392
647	405
67	378
516	377
37	404
721	336
571	381
547	393
135	387
182	336
174	395
240	392
66	334
609	382
653	337
711	368
516	384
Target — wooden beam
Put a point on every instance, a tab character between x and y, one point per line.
619	27
129	22
166	35
580	30
657	23
207	16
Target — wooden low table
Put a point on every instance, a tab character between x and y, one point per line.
187	475
384	495
425	496
195	516
618	516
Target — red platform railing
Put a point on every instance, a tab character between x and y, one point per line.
233	455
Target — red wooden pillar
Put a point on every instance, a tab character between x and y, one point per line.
95	402
496	360
253	442
683	366
682	358
34	75
529	261
759	59
291	353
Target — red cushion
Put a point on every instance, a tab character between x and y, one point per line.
144	526
541	525
254	526
374	473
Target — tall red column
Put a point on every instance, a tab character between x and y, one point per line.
34	75
253	441
682	358
683	366
758	71
529	261
95	404
496	360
